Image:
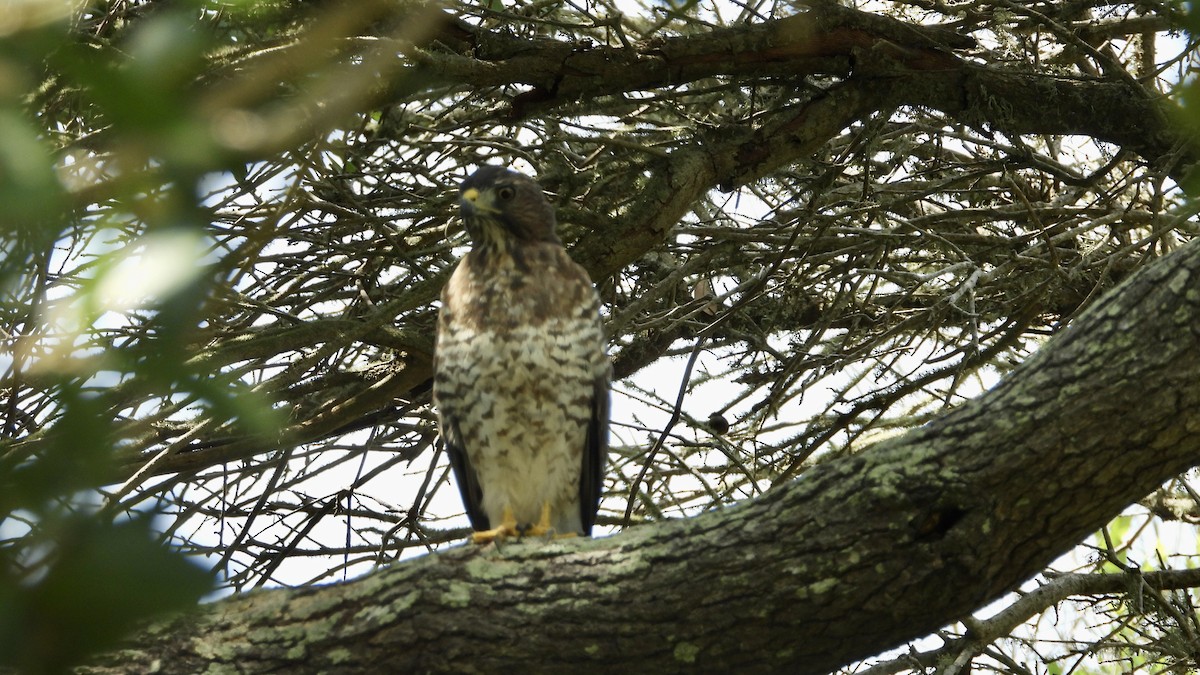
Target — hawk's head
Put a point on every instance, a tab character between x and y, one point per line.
503	207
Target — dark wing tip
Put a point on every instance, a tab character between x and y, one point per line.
595	456
464	474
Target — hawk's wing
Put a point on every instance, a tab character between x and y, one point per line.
464	473
595	456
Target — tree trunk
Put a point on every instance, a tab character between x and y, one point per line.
858	555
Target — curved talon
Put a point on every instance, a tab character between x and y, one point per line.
542	526
507	528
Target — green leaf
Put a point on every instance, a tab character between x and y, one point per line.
77	457
102	581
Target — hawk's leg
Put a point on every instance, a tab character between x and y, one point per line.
507	528
542	526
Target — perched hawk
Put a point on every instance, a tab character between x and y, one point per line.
521	377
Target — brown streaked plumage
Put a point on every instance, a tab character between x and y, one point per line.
521	376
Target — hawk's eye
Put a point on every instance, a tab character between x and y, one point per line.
506	193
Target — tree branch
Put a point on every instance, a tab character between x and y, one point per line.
858	555
915	63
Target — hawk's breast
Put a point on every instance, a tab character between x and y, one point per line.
520	348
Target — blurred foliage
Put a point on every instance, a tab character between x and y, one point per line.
76	573
1187	92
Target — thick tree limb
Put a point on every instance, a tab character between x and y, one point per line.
858	555
827	40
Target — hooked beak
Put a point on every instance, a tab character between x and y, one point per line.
473	201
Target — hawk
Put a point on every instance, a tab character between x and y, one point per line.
521	377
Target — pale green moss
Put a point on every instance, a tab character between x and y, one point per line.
630	562
219	649
384	613
458	595
824	585
817	588
491	569
686	652
405	601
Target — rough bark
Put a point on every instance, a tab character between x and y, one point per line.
858	555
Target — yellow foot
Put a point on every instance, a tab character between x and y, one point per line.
542	526
507	528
